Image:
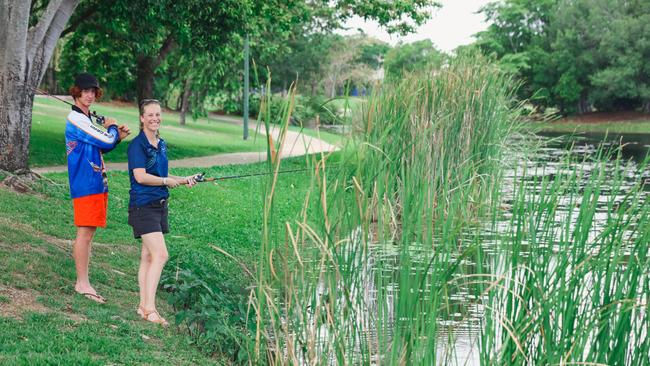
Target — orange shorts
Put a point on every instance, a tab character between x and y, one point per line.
91	210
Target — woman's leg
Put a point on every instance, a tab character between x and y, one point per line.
81	255
154	243
145	262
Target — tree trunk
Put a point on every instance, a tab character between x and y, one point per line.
144	77
49	81
645	107
24	55
146	68
583	105
16	118
185	100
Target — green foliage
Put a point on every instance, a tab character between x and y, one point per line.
215	315
625	80
567	283
193	48
411	57
574	55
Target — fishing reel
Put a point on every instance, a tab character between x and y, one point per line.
98	119
200	177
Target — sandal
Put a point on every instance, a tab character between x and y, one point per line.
160	320
94	297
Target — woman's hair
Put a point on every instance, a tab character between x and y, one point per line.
143	103
75	92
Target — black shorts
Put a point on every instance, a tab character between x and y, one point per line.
151	218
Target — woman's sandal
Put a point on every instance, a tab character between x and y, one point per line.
145	315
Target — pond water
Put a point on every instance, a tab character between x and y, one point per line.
460	326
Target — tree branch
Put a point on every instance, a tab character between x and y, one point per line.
80	18
36	34
54	33
167	47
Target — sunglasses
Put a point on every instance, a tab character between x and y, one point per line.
146	102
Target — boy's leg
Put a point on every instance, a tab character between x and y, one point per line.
81	254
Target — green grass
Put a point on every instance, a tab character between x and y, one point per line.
200	138
329	137
64	328
56	326
611	127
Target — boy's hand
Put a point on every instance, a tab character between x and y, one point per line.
108	122
124	131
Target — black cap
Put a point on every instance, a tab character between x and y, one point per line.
86	81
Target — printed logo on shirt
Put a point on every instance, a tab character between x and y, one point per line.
104	176
70	146
151	157
96	168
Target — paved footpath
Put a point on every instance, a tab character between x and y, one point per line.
295	144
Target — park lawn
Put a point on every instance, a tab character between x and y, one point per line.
197	138
60	327
619	127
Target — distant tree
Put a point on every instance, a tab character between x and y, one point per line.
304	59
574	47
30	30
410	57
373	52
519	39
573	54
622	80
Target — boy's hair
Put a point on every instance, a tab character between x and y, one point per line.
75	92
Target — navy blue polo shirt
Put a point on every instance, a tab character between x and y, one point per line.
154	160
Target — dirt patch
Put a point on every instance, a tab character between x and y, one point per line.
19	302
604	117
63	244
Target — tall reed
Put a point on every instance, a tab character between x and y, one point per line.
406	253
423	165
573	268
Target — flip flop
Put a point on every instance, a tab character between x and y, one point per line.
94	297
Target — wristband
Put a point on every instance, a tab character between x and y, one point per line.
164	181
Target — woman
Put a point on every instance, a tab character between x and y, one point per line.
148	172
86	141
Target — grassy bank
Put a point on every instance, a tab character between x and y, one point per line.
42	319
619	127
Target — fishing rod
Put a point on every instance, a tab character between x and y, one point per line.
99	118
201	178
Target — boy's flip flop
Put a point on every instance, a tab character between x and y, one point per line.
94	297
